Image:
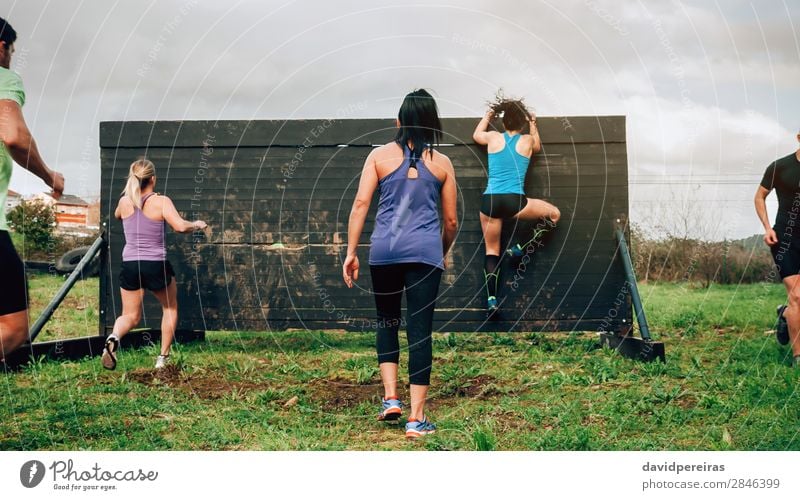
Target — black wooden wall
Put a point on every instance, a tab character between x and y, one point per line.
277	196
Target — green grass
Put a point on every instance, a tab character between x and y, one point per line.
78	314
727	385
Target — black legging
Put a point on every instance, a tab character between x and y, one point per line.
421	283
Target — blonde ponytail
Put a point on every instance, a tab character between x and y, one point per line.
142	170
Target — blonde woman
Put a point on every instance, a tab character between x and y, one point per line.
144	214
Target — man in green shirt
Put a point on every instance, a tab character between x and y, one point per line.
17	144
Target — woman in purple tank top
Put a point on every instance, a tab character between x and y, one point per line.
407	248
144	215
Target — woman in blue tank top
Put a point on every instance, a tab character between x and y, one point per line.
509	156
407	248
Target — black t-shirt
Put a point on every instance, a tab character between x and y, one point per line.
783	175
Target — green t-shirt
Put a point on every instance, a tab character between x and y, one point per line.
11	89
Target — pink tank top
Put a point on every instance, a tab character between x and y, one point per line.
144	237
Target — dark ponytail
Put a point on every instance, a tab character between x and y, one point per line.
419	124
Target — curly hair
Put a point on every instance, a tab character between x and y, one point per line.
513	111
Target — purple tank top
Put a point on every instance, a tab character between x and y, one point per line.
144	237
407	223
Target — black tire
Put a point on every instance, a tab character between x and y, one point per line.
69	261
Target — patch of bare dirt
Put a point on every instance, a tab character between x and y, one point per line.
593	420
686	402
480	387
168	375
339	393
204	385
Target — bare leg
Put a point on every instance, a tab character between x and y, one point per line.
389	378
131	315
492	229
491	233
13	331
168	297
538	209
131	312
419	393
792	312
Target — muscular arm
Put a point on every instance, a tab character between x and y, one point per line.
481	135
16	136
760	200
358	213
449	197
537	142
761	206
174	219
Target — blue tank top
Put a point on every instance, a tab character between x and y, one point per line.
407	223
507	169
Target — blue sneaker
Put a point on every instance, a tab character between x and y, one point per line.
782	329
515	252
491	304
518	250
390	410
416	428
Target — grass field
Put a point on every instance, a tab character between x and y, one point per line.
726	385
78	314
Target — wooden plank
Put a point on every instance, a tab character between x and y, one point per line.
244	293
332	132
284	310
468	206
593	257
271	187
345	197
269	210
323	158
275	326
285	243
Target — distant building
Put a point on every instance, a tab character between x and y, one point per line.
12	200
71	211
93	219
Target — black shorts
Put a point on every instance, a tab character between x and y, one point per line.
502	206
13	285
150	274
786	254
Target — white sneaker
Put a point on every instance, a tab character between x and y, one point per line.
109	356
161	361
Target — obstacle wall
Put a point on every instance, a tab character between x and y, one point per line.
277	196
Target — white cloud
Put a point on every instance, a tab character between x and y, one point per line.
694	78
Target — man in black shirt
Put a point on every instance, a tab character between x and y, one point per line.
783	175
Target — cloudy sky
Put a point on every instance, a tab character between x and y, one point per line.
709	88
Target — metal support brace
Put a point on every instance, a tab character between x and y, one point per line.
73	278
644	349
